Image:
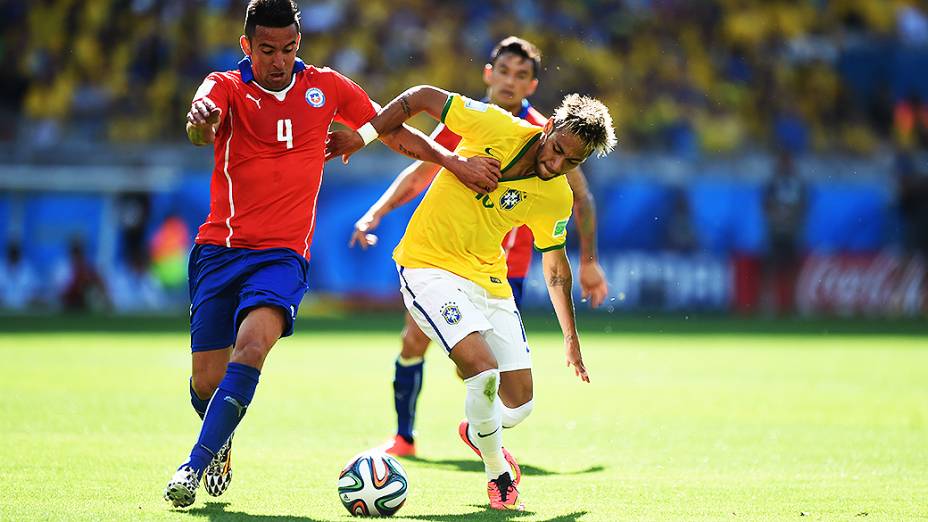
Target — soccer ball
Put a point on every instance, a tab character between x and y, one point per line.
372	484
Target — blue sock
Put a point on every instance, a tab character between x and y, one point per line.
406	387
225	410
199	405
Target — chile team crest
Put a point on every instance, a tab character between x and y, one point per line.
511	198
315	97
451	313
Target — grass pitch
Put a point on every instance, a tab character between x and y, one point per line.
672	427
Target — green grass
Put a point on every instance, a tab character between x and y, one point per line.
673	427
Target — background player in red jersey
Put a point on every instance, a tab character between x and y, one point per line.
268	122
511	76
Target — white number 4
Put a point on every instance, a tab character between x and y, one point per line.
285	132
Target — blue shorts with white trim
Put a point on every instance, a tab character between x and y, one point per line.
227	282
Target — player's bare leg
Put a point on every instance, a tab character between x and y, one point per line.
208	369
407	384
257	334
482	408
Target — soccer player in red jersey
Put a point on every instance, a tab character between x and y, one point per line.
511	76
268	122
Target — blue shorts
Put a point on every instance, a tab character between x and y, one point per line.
517	283
227	282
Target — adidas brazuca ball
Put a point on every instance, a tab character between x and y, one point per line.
373	484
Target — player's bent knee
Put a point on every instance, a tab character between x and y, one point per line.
513	416
251	353
205	382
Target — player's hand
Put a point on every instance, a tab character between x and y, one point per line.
593	285
342	143
572	351
203	113
478	173
362	231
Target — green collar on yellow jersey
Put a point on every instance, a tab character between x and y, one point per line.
528	145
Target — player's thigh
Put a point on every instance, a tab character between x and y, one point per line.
443	311
415	341
507	337
260	329
277	280
472	355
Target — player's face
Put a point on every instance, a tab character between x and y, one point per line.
561	152
272	51
509	80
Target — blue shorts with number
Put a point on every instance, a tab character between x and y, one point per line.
227	282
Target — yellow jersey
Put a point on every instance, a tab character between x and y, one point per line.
458	230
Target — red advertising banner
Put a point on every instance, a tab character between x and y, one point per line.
884	285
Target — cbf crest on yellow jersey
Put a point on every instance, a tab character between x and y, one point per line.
457	230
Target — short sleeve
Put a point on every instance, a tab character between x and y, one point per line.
355	107
215	88
444	137
476	121
549	225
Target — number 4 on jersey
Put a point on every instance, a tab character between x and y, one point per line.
285	132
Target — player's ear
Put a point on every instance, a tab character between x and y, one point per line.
246	45
298	36
487	71
549	126
532	87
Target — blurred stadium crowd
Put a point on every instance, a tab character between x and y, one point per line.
801	128
690	77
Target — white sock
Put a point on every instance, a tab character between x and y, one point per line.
482	408
513	416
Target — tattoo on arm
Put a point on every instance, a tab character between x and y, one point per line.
405	105
408	152
558	280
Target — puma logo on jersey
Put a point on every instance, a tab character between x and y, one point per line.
256	100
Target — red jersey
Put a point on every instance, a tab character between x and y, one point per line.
269	152
518	242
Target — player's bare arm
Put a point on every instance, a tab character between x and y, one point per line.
202	120
475	173
556	268
407	185
593	284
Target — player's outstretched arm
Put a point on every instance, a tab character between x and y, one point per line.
201	122
388	124
593	284
556	268
409	184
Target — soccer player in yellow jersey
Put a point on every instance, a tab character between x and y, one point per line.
452	268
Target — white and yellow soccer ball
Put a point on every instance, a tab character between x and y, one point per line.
373	484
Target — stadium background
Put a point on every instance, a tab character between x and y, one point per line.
759	357
100	194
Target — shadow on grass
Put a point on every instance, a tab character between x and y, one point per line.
492	514
217	511
476	465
